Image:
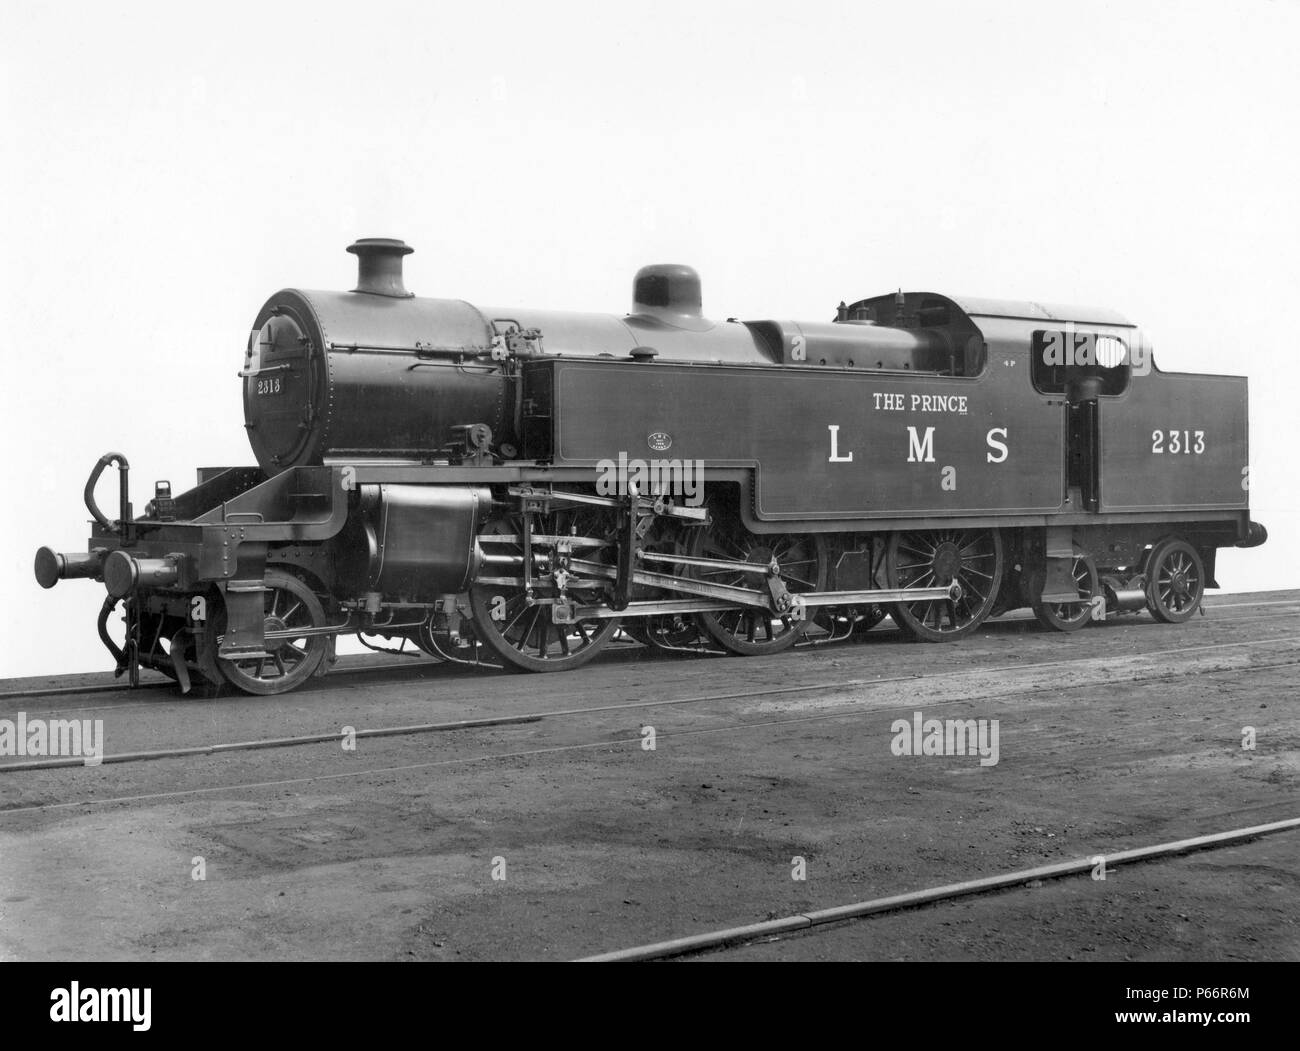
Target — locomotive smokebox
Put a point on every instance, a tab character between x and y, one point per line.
669	293
379	266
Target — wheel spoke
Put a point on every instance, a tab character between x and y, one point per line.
513	620
528	637
970	558
802	567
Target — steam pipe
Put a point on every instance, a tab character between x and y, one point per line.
102	625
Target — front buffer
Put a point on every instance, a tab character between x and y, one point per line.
192	577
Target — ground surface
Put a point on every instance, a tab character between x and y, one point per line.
1124	735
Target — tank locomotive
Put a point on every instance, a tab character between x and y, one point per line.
518	485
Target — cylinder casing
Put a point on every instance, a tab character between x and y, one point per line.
413	542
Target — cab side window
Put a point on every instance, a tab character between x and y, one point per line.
1061	357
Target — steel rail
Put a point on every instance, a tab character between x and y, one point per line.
269	742
914	899
534	717
604	743
113	687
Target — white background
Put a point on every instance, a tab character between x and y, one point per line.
167	166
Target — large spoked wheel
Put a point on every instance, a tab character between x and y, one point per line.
291	661
750	631
1065	616
1175	581
936	558
524	634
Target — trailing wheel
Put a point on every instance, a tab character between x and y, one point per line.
522	632
1065	616
749	630
290	661
1175	581
935	558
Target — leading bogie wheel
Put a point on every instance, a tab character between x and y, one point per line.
1175	581
936	558
290	661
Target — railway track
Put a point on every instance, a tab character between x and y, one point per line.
814	919
158	684
843	712
383	672
577	775
495	757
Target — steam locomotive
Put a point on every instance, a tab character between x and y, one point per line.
519	484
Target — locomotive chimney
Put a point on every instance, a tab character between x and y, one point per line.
669	293
379	266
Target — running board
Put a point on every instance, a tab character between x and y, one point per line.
658	504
